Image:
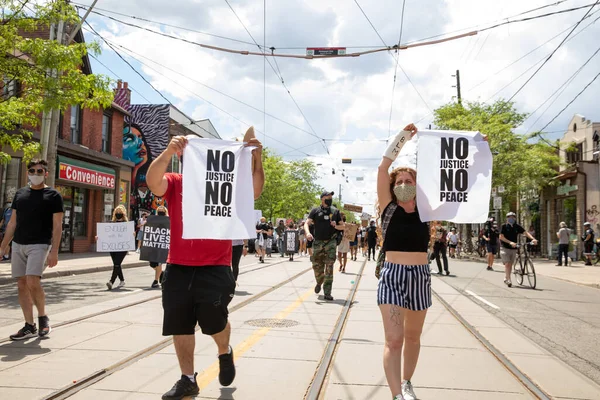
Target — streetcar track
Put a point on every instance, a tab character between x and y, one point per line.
135	303
99	375
315	390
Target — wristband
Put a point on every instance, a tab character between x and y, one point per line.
396	145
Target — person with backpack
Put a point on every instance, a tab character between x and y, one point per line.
588	242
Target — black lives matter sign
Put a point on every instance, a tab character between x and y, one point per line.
219	183
454	170
156	239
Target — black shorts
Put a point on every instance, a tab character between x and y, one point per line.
154	264
452	246
588	247
309	244
196	295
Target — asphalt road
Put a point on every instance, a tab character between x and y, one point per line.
70	292
562	317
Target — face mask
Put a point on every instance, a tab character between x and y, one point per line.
405	193
512	220
36	179
328	202
162	213
119	215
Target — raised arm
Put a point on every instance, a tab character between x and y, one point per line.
155	178
384	196
258	172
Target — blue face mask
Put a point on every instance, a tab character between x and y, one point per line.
512	220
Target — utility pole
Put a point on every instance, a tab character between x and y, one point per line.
340	195
458	86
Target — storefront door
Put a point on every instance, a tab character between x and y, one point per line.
66	244
74	219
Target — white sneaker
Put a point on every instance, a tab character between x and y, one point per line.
399	397
121	284
508	282
407	391
109	285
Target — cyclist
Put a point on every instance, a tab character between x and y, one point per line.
508	236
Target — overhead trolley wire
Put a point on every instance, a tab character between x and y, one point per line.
396	71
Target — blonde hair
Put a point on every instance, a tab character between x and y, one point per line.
161	209
123	210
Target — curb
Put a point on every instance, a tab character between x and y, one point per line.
80	271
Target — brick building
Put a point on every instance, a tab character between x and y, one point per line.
575	198
91	174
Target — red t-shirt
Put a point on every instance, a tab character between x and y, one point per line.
191	252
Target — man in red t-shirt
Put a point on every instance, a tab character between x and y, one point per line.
198	283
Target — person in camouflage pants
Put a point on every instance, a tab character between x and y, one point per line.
323	259
328	225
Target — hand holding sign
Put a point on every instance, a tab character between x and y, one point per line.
412	129
177	145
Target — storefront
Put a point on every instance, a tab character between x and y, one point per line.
89	194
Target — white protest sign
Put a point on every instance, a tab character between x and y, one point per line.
218	195
115	236
454	176
257	215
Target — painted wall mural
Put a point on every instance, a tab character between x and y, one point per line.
145	136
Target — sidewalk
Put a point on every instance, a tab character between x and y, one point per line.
80	263
577	273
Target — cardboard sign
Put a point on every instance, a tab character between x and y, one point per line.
353	208
350	232
115	236
156	239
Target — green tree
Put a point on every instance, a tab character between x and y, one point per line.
290	189
24	63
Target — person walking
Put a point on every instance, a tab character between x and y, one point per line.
439	247
269	241
291	240
158	270
588	242
404	290
120	216
262	230
35	229
343	249
452	240
491	236
354	247
140	230
327	221
6	215
198	284
509	235
303	241
280	231
239	248
563	236
371	239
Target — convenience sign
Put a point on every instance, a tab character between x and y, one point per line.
326	51
82	172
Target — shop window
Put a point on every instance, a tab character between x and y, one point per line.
11	180
596	150
10	88
76	124
79	212
106	131
109	204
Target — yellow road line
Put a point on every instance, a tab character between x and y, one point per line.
212	372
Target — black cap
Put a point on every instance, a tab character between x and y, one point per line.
326	193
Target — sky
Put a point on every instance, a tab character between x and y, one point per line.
326	110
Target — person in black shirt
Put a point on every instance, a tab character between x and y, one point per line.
371	239
262	229
588	243
36	226
509	234
490	235
280	230
327	221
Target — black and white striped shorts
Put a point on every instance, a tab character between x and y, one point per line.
407	286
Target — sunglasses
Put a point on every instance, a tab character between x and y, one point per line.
39	171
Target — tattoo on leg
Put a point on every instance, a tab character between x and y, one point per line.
396	315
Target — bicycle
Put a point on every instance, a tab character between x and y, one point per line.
524	266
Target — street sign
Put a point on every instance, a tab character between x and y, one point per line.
353	208
360	178
500	189
497	203
326	51
493	191
566	188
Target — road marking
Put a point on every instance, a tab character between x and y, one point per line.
482	300
212	372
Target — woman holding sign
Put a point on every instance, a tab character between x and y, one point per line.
404	291
119	216
158	271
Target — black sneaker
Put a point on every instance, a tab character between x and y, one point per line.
447	273
155	284
226	368
318	288
26	332
490	268
160	279
44	323
328	297
182	388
